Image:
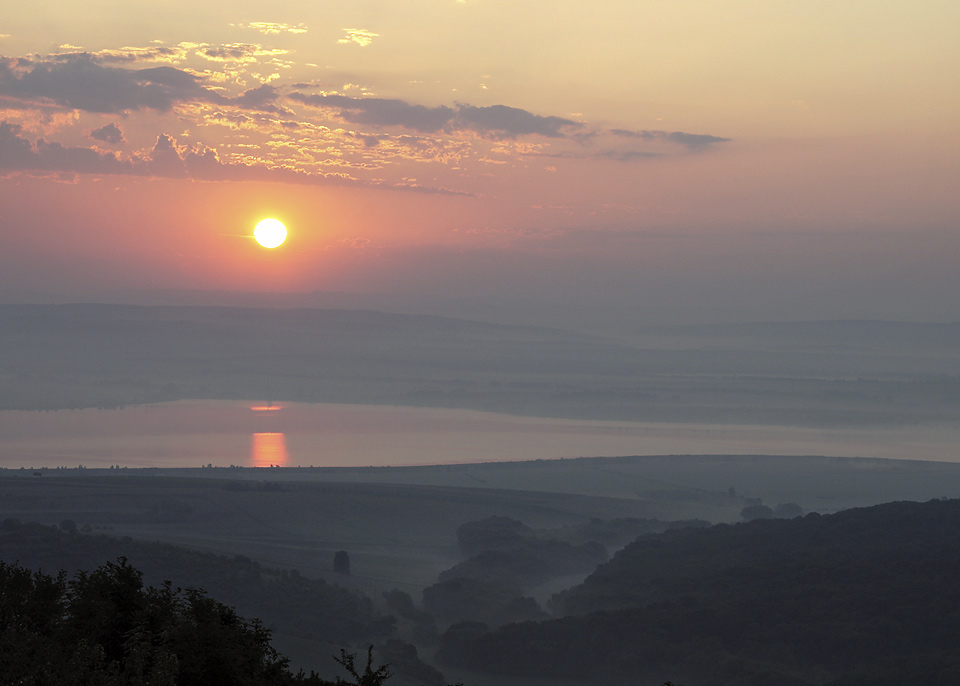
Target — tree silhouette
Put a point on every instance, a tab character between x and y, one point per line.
370	676
341	562
105	628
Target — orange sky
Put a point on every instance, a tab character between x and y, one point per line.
744	160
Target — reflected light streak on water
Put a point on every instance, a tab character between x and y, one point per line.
269	450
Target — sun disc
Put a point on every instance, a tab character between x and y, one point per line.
270	233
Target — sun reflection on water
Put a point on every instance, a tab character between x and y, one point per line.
269	450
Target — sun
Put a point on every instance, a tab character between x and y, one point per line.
270	233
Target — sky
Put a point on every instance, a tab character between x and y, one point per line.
607	164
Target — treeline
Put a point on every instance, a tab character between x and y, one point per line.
863	597
304	607
284	601
107	628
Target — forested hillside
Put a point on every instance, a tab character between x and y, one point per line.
863	597
866	596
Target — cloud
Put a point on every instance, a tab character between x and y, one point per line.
17	152
628	155
381	111
79	82
361	37
272	28
321	131
153	53
238	52
695	141
692	141
369	140
245	53
507	122
496	121
167	159
261	98
110	133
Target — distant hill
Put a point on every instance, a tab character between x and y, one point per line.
837	335
865	596
797	374
108	355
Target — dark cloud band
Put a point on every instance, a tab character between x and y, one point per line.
110	133
79	82
497	121
693	141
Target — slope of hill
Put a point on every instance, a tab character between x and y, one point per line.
866	596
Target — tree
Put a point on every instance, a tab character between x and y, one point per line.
788	511
341	562
751	512
370	676
492	533
105	628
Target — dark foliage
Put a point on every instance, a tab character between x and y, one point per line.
504	533
422	626
493	602
510	558
310	608
401	603
407	666
611	533
864	597
341	562
787	511
492	533
369	677
106	628
751	512
529	563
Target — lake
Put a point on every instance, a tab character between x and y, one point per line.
194	433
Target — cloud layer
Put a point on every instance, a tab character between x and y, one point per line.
166	159
692	141
256	126
496	121
80	82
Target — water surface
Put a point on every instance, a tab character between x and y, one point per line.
196	433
